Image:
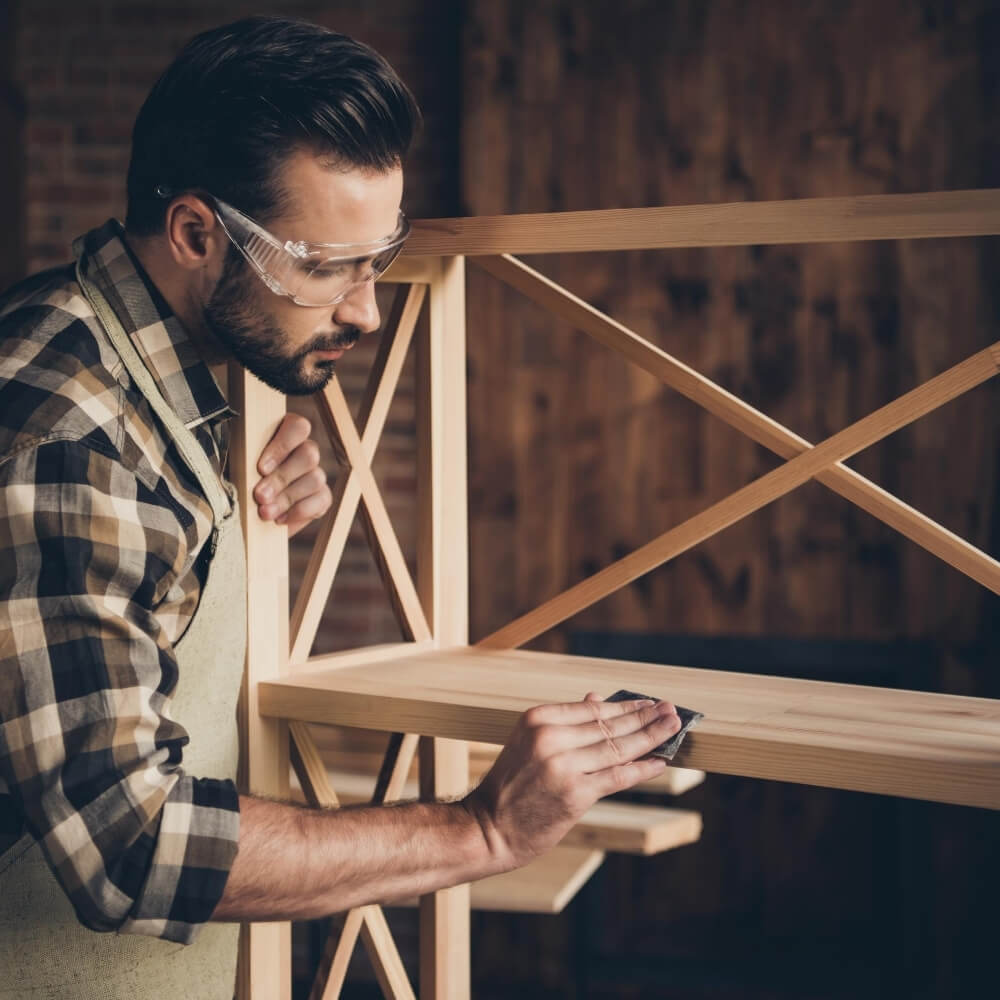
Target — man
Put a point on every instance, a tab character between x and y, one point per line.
264	197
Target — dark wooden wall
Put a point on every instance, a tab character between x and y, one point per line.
12	113
577	457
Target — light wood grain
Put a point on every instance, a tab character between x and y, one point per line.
356	657
849	484
545	885
943	748
357	754
806	220
900	412
621	827
382	536
369	920
443	583
409	269
383	378
264	967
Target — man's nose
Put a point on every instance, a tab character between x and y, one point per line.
359	309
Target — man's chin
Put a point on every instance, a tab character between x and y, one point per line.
297	381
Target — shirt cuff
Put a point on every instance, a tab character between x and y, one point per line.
195	849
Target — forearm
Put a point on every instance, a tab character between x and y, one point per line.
299	864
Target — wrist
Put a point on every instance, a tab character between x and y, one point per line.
497	855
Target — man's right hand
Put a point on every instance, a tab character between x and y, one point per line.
559	761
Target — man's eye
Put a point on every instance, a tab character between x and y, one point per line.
328	272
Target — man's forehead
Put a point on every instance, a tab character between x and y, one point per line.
331	204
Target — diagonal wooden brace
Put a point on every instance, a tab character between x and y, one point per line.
381	536
939	390
329	546
368	921
851	485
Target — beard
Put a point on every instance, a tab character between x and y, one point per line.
256	341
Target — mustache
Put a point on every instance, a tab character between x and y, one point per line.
347	337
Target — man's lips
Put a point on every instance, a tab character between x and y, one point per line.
335	352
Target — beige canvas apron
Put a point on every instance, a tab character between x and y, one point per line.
44	951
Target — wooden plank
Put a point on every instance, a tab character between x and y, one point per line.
409	269
849	484
805	220
443	583
445	960
545	885
265	965
884	421
621	827
943	748
356	755
356	657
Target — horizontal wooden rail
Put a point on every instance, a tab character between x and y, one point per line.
944	748
806	220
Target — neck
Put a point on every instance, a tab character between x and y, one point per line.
184	293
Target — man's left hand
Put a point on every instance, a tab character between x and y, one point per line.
293	490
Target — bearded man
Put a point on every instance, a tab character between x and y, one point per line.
264	199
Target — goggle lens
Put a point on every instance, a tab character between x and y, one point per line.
325	281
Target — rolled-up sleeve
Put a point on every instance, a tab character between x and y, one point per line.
88	751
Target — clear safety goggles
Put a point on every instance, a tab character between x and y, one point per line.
310	274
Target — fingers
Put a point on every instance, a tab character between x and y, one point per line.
311	484
575	713
271	491
291	432
600	730
624	776
610	750
308	509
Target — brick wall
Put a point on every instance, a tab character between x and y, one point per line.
82	69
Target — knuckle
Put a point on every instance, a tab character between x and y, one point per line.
311	451
533	717
620	778
542	741
317	478
300	424
556	768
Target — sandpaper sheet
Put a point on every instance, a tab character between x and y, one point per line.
689	718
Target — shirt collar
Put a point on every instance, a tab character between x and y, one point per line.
180	373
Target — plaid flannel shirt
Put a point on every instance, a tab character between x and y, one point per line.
102	559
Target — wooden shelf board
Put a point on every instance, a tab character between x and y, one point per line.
912	744
545	885
360	752
622	827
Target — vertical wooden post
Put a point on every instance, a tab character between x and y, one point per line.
442	582
265	966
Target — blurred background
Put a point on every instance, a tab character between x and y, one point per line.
576	458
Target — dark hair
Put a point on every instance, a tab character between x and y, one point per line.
239	99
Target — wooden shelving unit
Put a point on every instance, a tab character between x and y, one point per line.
435	692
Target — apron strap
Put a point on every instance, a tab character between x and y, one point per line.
187	444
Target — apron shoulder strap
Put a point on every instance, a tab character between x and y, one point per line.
187	444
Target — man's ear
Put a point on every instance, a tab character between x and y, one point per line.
194	235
